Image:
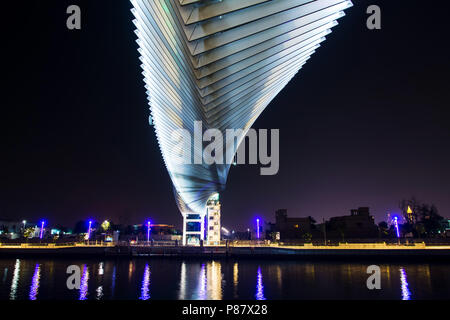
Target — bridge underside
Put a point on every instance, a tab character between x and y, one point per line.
221	63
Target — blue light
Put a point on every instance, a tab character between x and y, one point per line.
84	283
406	294
149	228
396	226
259	286
145	289
257	229
89	230
42	229
202	290
35	282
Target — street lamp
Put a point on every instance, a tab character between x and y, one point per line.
42	229
149	227
396	227
24	224
257	229
89	230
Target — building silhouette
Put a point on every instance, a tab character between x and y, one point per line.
359	224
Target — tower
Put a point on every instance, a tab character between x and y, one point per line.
213	220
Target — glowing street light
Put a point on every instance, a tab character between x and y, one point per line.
149	227
24	223
89	230
42	229
396	226
257	229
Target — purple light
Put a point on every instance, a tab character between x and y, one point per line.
145	295
35	282
84	283
42	229
396	226
149	227
89	230
259	286
406	294
202	289
257	229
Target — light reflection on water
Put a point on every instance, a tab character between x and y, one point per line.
145	289
259	286
406	294
35	282
15	280
84	283
216	280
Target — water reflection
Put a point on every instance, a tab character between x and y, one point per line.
84	283
279	278
145	289
207	280
406	294
99	293
182	292
5	275
214	281
201	287
15	281
259	286
235	280
99	290
130	270
113	282
34	289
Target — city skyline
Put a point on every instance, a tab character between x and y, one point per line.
352	131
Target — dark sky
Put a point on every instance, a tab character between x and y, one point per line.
365	123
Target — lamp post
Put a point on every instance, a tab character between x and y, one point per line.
396	229
42	229
149	225
257	229
89	230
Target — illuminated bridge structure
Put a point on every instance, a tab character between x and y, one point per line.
220	62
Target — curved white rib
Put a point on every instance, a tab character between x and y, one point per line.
221	63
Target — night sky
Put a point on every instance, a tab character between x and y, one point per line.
365	123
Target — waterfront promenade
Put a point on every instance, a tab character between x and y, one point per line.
342	250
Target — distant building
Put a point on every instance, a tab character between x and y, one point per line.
159	232
359	224
164	232
11	229
292	228
213	228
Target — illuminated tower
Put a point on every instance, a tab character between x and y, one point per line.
220	63
213	220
